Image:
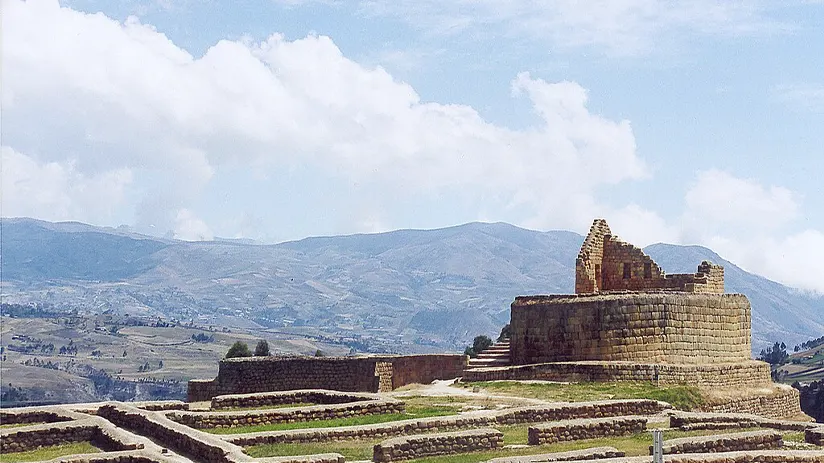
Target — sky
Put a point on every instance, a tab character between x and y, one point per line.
687	122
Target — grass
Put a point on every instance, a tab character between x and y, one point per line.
635	445
681	397
48	453
412	412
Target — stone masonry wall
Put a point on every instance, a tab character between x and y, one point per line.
352	374
753	440
605	263
23	440
203	447
520	415
209	420
558	431
308	396
650	327
417	446
723	375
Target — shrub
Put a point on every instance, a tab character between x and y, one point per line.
238	349
479	344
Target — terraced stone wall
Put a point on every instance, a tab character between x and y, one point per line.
747	373
649	327
366	374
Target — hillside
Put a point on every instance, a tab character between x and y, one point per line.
402	291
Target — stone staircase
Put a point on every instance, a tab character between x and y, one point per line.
496	355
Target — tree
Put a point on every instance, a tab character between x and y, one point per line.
479	344
262	348
238	349
319	353
776	355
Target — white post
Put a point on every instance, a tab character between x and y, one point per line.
657	446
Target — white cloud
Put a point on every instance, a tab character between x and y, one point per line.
724	200
122	96
57	191
640	226
619	26
753	226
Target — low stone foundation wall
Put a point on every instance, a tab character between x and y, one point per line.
754	440
32	415
723	375
268	399
585	429
689	421
595	453
784	402
161	405
204	447
94	430
519	415
44	436
417	446
208	420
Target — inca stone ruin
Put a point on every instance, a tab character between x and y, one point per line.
627	323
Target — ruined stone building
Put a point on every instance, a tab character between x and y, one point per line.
606	263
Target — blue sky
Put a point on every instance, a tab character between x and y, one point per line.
695	122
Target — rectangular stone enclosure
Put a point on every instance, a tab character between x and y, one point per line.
649	327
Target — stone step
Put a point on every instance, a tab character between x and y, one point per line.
481	363
504	356
496	349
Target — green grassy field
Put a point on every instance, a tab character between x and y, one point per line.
48	453
681	397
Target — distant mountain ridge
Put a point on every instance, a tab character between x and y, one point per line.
406	290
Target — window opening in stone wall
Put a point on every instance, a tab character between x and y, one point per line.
598	274
627	270
647	270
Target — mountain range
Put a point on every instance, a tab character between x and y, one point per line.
400	291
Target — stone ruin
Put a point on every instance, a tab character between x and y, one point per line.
630	321
605	263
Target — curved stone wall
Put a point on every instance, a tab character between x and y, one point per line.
649	327
718	375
